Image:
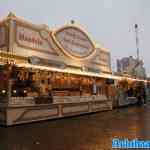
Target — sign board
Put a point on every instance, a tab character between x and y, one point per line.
34	39
74	42
102	58
69	46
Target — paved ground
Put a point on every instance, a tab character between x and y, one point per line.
88	132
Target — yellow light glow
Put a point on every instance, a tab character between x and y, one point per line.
79	72
3	91
14	91
68	70
25	91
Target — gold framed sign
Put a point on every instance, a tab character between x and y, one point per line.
74	42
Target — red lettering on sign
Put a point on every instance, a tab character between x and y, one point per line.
30	39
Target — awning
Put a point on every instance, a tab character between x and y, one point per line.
78	72
68	70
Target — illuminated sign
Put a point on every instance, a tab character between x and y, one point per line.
74	42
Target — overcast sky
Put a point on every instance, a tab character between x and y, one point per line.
110	22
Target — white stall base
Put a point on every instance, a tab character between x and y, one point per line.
17	112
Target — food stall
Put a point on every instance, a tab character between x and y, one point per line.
49	73
128	91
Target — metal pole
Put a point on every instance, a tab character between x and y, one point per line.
137	40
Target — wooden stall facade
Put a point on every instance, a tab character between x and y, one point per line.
50	73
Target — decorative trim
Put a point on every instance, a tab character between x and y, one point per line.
21	117
2	54
76	112
103	108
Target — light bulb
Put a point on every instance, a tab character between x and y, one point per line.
3	91
14	91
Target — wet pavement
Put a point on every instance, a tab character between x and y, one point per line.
86	132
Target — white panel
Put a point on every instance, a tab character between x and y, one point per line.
99	105
2	36
72	109
41	113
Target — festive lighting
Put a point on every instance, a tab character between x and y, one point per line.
14	91
24	91
69	70
3	91
79	72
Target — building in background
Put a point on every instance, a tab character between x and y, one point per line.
131	66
